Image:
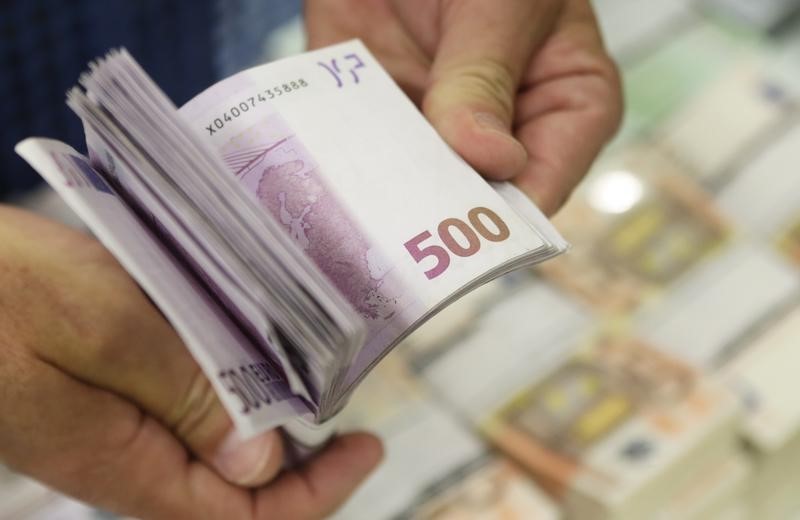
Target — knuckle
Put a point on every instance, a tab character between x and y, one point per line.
603	97
193	407
613	109
487	79
601	94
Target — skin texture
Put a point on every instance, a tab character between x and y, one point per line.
100	399
522	89
98	396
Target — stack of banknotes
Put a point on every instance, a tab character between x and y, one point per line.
765	377
609	426
293	222
762	368
436	466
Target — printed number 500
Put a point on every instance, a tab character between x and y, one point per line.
471	243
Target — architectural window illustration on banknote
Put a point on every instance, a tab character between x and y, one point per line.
637	226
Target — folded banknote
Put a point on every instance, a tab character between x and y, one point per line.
293	222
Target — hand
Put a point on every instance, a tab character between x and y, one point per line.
101	400
522	89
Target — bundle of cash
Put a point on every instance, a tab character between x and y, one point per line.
681	59
436	467
763	197
716	492
638	223
679	324
759	201
490	488
609	425
711	140
293	222
618	430
764	375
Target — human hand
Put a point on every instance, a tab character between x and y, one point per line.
101	400
522	89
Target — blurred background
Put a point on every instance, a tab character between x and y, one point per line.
650	372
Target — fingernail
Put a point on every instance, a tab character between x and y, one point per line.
489	121
243	461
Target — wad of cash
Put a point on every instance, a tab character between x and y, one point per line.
293	222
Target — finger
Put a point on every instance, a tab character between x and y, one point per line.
92	445
483	50
570	106
103	330
324	484
562	144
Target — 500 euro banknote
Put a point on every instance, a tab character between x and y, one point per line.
329	147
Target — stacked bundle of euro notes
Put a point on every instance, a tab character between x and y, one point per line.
762	370
656	247
747	164
765	376
618	431
765	203
435	466
610	426
638	224
715	492
293	222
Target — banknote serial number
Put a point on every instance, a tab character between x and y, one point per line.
481	223
244	106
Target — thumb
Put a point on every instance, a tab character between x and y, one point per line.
483	51
106	333
153	368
